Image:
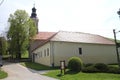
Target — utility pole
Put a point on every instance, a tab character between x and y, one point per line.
116	43
117	46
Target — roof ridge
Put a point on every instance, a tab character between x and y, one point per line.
79	32
106	38
81	37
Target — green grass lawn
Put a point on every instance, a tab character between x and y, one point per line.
83	76
72	75
3	74
35	66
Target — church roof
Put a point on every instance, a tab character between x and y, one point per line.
64	36
81	37
78	37
44	35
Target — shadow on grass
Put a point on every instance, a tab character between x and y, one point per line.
68	72
60	75
71	72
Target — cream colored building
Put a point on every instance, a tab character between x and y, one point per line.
50	48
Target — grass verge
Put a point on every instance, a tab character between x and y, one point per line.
82	76
72	75
36	66
3	74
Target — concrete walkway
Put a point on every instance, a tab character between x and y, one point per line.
19	72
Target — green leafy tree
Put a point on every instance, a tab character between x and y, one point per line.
21	30
3	46
0	46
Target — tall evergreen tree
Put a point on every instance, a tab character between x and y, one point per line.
22	28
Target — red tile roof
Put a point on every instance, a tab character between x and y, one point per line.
44	35
78	37
41	38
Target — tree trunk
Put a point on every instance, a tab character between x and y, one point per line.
19	52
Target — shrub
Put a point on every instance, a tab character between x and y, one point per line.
113	69
75	64
101	67
89	64
90	69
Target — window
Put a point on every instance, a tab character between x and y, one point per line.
38	54
41	54
80	51
47	51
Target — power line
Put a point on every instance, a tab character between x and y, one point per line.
1	2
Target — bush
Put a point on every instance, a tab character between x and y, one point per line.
75	64
98	67
115	70
87	65
90	69
101	67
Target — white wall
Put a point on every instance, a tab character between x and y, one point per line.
91	53
41	56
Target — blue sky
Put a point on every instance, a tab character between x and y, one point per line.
89	16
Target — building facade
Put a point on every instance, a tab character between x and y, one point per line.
64	45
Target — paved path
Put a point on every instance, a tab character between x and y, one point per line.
19	72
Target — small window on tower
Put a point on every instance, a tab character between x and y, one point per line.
80	51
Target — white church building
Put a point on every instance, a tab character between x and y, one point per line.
49	48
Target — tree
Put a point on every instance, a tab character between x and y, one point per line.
3	46
22	28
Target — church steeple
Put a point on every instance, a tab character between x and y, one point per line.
33	14
34	17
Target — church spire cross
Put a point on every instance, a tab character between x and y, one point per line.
34	4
